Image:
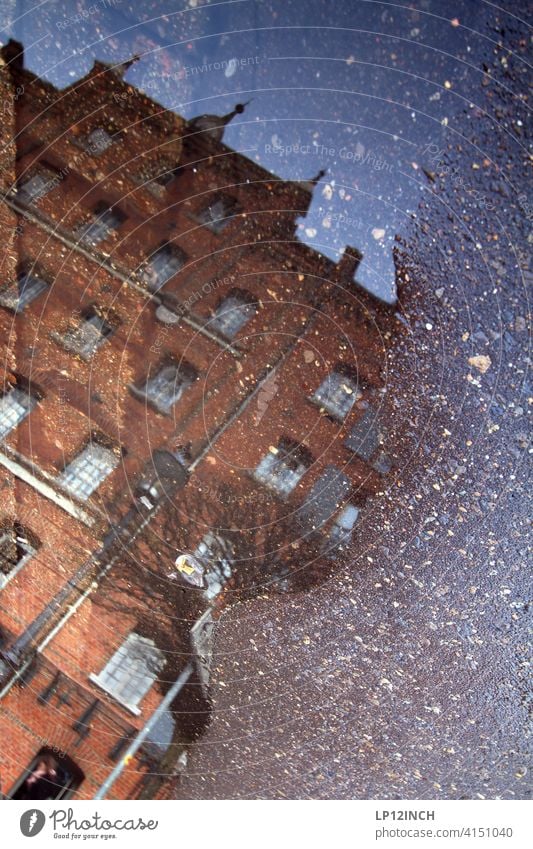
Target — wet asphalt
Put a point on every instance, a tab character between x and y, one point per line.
406	675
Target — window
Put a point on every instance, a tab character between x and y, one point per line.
338	393
50	775
131	671
156	175
382	463
167	386
165	473
92	331
233	313
105	221
36	185
217	214
87	471
15	550
160	736
17	295
215	554
340	532
164	263
98	141
364	438
283	467
325	498
82	725
162	171
15	405
165	177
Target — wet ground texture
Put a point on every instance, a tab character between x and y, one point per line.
406	675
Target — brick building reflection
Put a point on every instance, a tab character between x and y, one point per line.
190	413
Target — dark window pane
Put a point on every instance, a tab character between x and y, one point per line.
282	468
364	438
33	187
325	498
104	223
337	394
231	315
164	263
167	386
217	214
20	294
15	550
98	141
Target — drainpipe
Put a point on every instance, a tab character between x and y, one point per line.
137	742
70	612
18	649
118	533
233	416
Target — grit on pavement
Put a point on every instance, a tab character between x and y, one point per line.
405	676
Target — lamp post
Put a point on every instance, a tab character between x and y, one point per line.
137	741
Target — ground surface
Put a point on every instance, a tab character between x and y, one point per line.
406	675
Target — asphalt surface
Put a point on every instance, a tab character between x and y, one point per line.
405	676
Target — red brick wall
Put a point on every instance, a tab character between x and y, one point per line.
257	251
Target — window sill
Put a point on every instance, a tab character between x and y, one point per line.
43	483
131	708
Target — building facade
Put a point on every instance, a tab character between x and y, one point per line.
173	358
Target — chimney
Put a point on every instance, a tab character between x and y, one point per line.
13	54
348	264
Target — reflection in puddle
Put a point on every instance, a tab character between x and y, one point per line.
197	381
357	95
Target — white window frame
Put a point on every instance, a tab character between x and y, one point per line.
88	336
218	214
15	406
131	662
156	276
79	477
32	187
182	380
104	141
101	226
